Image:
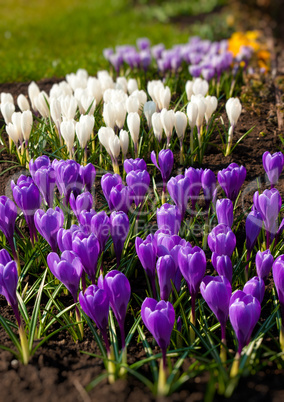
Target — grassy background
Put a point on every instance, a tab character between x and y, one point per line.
43	38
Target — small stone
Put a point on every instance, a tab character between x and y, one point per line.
15	364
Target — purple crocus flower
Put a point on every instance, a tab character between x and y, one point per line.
64	238
27	197
217	291
48	224
159	318
244	312
100	226
169	218
44	178
278	276
88	175
95	303
194	176
41	161
83	201
85	219
208	182
224	211
8	215
222	240
223	265
178	188
263	262
143	43
147	252
166	163
273	165
231	180
8	286
255	287
116	60
68	178
119	228
121	198
88	250
67	269
253	228
166	270
4	257
118	289
134	164
108	181
138	181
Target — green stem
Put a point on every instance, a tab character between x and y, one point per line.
24	345
111	366
162	380
235	366
78	319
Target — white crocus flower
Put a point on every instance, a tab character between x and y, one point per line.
6	97
84	129
23	103
201	105
109	114
188	89
120	114
68	107
132	104
121	83
16	120
142	98
104	134
211	106
67	130
55	112
157	126
233	109
41	102
132	85
192	112
200	87
13	133
168	122
149	109
133	123
124	141
180	126
165	97
94	89
114	146
26	124
7	109
88	104
105	79
33	92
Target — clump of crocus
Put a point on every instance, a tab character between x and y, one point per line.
138	181
166	163
119	228
278	276
244	312
8	215
147	254
108	181
48	223
231	179
273	165
8	288
192	264
83	202
233	109
217	291
159	318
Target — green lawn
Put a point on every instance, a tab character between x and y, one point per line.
39	40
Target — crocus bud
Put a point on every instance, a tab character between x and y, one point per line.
7	109
132	85
68	178
67	130
132	104
26	124
224	211
8	286
84	129
114	146
166	162
108	181
23	103
255	287
189	89
41	161
109	114
64	238
278	276
273	165
208	182
211	105
68	269
138	181
253	228
192	113
133	123
192	264
201	107
82	202
44	178
263	262
119	228
200	87
121	198
223	265
231	179
268	204
157	125
41	102
4	257
222	240
120	114
68	106
180	124
166	273
134	164
244	312
233	109
169	218
48	223
88	250
124	142
33	92
88	175
55	112
146	251
194	176
8	215
168	122
178	188
100	226
149	109
104	134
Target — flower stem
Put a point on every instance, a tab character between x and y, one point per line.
111	366
281	338
78	319
192	319
223	351
161	388
235	366
24	345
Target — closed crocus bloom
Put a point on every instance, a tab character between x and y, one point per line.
217	291
109	114
146	251
88	104
48	223
178	188
273	165
7	109
88	250
121	198
165	97
200	87
263	262
55	112
82	202
119	228
44	178
95	304
189	89
4	257
278	276
88	175
211	105
120	114
118	289
64	239
114	146
26	124
23	103
124	142
68	178
194	176
222	240
157	125
100	226
104	134
8	215
108	181
180	124
231	179
13	133
233	109
68	107
41	161
85	219
244	312
201	107
223	265
133	123
159	318
168	122
67	130
138	181
84	129
134	164
169	218
132	104
208	182
192	264
33	92
166	273
132	85
41	102
253	228
8	286
225	212
166	162
149	109
255	287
